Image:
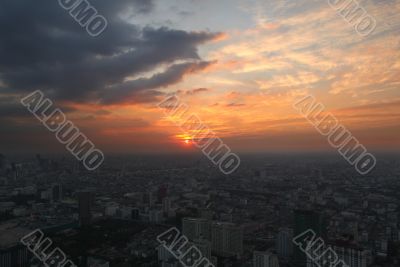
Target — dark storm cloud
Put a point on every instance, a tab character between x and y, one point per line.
173	75
10	106
42	47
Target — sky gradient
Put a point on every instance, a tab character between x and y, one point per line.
238	65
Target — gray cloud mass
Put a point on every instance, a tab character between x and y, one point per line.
42	47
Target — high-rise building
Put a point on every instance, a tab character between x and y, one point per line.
284	243
135	214
14	256
205	247
165	258
148	198
305	220
265	259
196	228
227	239
162	193
57	193
85	204
163	253
352	255
166	202
12	252
156	216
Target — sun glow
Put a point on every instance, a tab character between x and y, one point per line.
185	139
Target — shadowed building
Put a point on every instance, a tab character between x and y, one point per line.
303	221
227	239
196	228
85	204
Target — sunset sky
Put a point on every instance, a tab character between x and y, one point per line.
238	65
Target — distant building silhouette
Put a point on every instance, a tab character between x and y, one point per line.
57	193
303	221
162	193
284	244
3	162
196	228
85	204
14	256
351	254
227	239
205	247
265	259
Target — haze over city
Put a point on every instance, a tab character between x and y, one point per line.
198	133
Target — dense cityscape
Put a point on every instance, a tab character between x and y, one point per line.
112	217
199	133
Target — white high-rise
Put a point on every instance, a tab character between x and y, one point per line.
265	259
284	245
227	239
352	256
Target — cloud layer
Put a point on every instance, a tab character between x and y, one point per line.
241	82
42	47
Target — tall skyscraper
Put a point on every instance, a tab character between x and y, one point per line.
85	203
196	228
303	221
227	239
284	243
265	259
